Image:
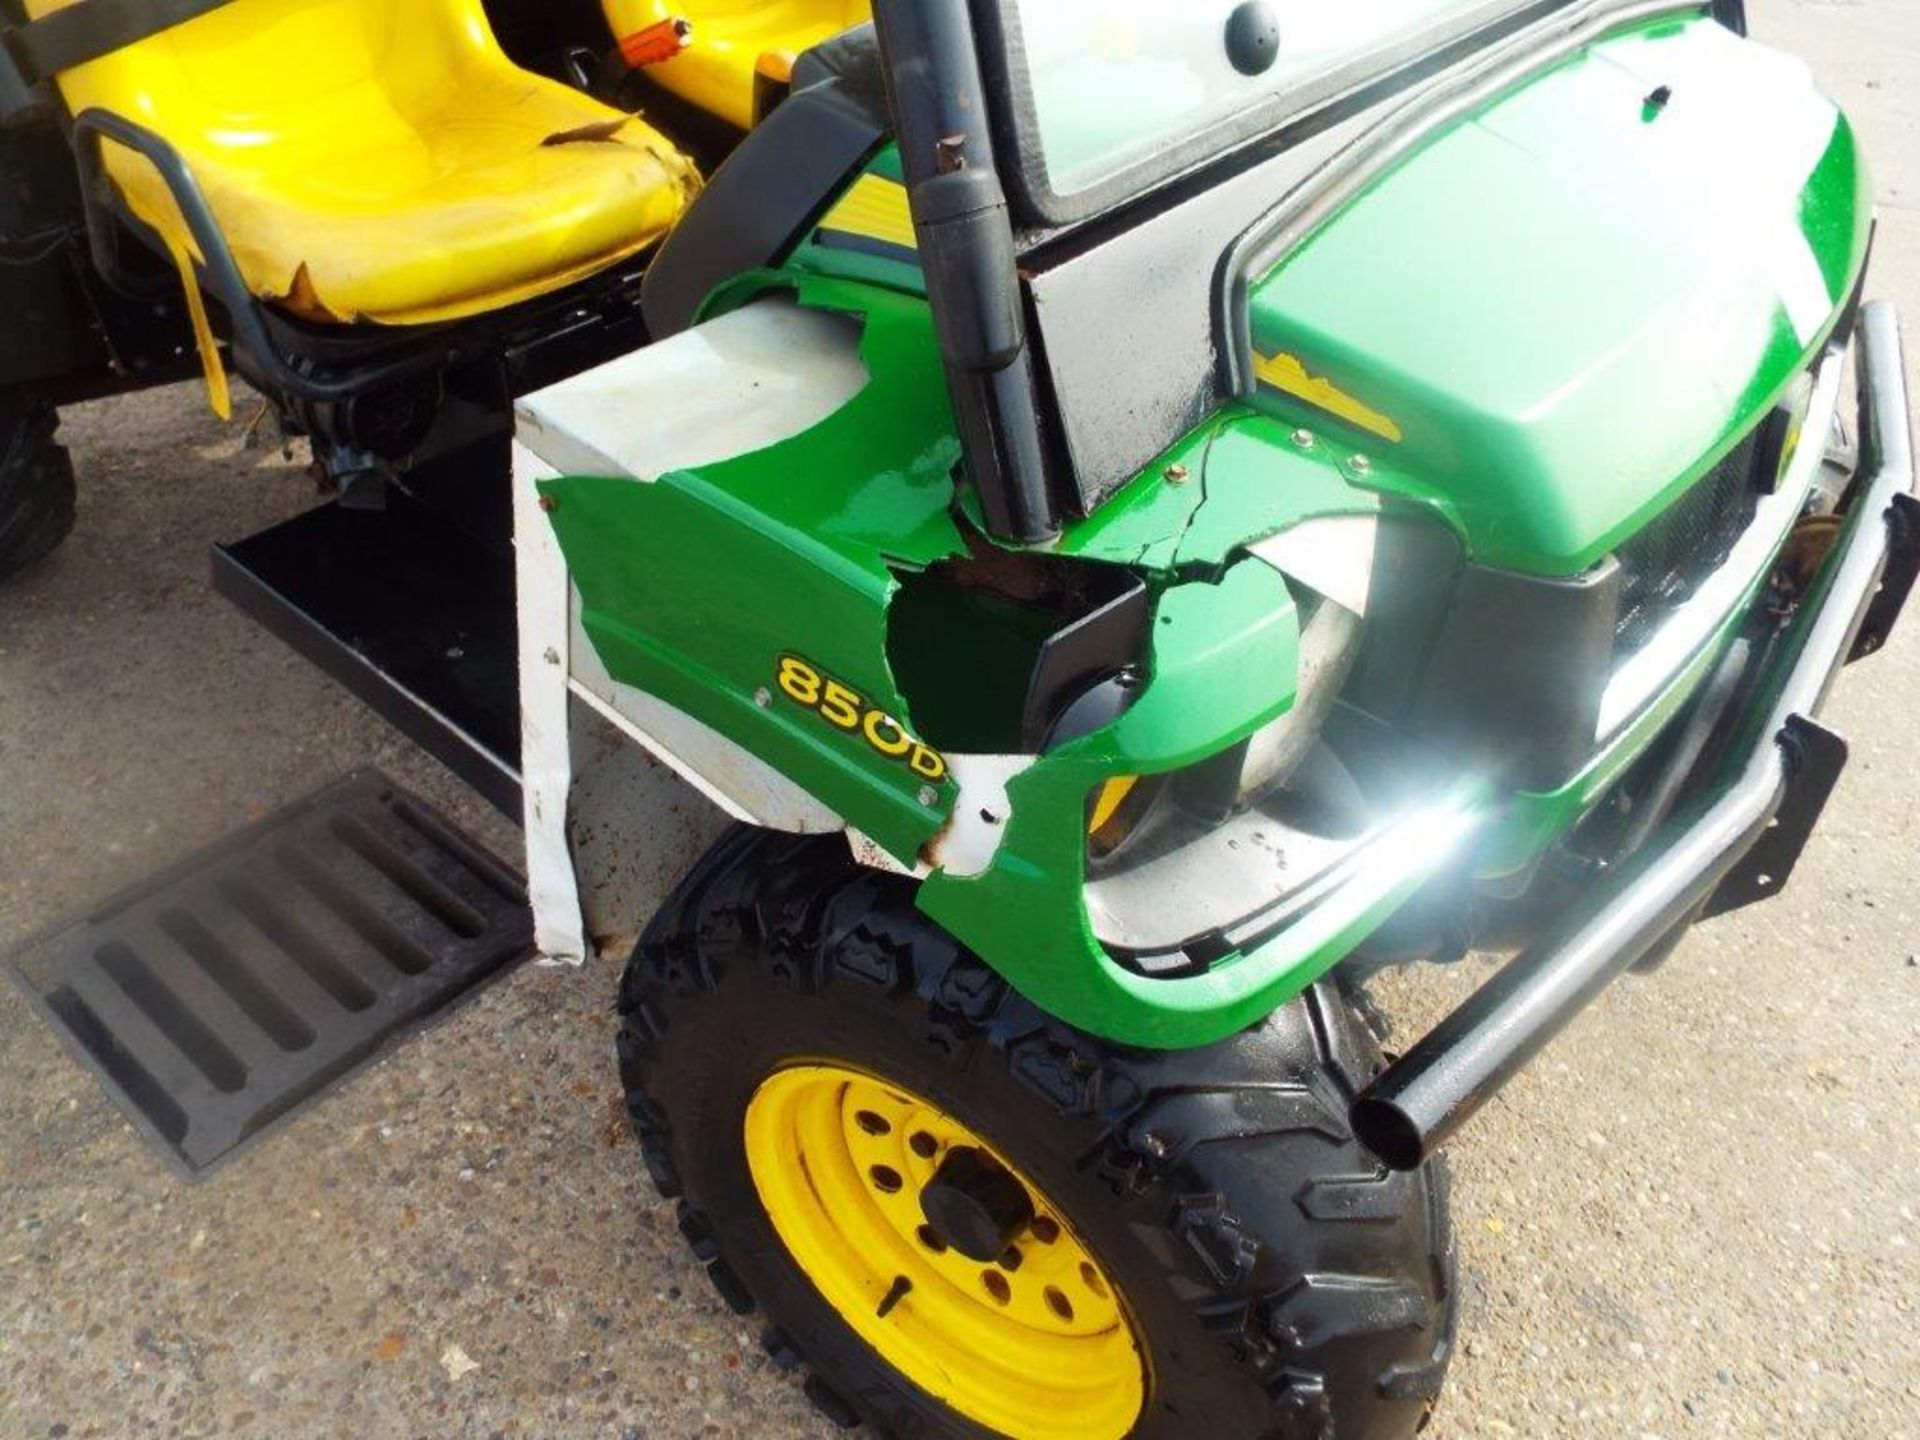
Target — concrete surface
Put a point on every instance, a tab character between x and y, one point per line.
1696	1217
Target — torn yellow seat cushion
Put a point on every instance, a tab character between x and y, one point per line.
381	161
475	213
716	71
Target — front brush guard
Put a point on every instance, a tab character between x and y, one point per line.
1776	790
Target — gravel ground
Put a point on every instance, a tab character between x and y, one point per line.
1695	1217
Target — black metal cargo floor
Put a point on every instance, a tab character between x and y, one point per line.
408	612
240	984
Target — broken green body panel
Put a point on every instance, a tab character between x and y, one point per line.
1620	342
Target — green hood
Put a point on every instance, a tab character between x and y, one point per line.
1560	313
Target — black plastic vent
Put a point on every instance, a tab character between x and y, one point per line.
1665	563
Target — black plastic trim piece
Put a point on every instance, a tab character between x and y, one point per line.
770	192
1816	757
1097	647
1896	584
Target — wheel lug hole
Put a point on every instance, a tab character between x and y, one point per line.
930	1238
924	1145
1059	1304
1045	1230
886	1179
872	1123
997	1287
1010	1261
1090	1277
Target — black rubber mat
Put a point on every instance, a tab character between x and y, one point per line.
239	985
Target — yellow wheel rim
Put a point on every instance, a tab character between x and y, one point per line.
1037	1346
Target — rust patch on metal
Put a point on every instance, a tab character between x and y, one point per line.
1802	557
933	852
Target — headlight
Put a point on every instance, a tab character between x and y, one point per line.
1115	810
1109	800
1184	867
1329	644
1130	816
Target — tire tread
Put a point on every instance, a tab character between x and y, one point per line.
37	491
826	922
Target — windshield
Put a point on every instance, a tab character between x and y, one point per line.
1115	84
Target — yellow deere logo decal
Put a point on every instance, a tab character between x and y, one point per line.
847	710
1286	374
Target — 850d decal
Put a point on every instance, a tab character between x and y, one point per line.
844	708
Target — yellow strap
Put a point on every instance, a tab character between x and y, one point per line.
1113	795
219	394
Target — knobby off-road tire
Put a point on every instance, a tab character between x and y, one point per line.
36	485
1282	1284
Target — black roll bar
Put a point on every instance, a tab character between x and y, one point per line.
937	94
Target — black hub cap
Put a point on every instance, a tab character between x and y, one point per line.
976	1206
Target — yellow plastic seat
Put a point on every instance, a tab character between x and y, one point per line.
383	160
730	40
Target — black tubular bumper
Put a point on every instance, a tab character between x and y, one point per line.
1418	1102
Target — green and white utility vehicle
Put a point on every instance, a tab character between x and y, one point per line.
1146	515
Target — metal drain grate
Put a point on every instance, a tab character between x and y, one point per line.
241	984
